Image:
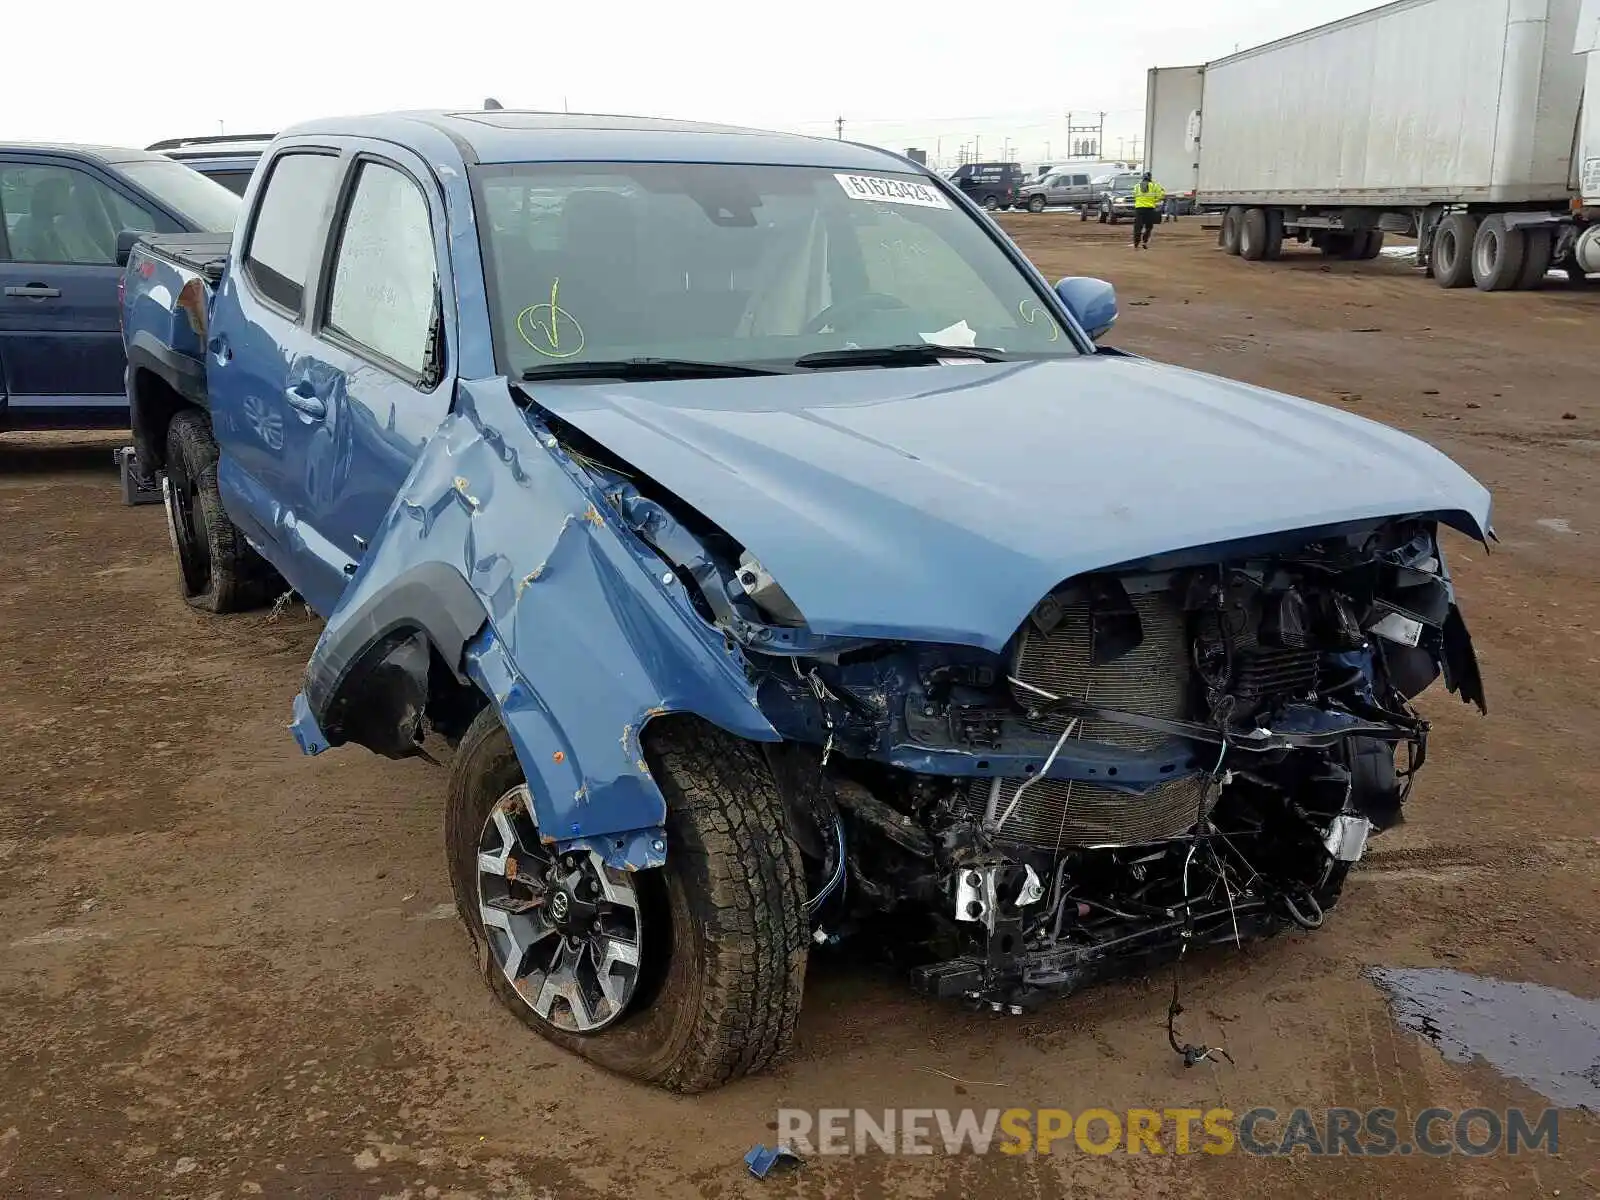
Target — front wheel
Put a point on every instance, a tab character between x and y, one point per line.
686	976
1036	204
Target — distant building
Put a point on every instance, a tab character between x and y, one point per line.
920	157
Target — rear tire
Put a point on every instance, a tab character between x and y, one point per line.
1540	249
218	572
1253	235
1498	255
991	203
1232	227
722	925
1083	212
1274	234
1452	250
1354	245
1374	244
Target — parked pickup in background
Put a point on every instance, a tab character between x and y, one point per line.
65	208
779	560
1062	188
227	158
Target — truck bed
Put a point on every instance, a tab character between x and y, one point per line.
166	307
203	253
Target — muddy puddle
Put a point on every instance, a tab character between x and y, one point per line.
1545	1038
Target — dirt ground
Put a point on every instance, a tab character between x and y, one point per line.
226	969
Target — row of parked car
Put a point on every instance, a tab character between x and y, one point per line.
63	209
1109	194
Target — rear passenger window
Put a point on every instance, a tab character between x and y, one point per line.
287	223
384	273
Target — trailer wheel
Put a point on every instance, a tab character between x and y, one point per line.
1232	227
1373	245
685	976
1498	255
1336	244
1253	235
1452	250
218	572
1541	248
1274	234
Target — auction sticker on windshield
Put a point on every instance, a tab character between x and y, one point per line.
895	191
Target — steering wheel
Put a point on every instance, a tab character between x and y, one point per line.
841	314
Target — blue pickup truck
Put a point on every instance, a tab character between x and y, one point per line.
780	561
64	209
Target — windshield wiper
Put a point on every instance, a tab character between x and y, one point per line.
643	368
912	355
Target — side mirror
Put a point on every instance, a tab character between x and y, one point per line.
125	241
1092	301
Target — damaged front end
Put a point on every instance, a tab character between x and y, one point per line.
1188	747
1186	750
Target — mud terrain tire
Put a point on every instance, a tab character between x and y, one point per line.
724	930
218	572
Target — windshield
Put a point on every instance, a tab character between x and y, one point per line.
742	264
205	204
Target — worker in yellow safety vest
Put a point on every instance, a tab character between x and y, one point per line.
1148	196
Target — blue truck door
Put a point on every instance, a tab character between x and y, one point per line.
267	425
60	341
377	365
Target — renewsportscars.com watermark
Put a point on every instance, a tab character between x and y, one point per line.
1373	1132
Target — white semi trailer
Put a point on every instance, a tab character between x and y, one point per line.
1172	131
1460	122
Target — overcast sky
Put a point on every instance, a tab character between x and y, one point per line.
933	74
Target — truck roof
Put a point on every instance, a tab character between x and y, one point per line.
106	155
509	136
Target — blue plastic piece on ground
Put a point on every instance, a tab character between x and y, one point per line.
760	1160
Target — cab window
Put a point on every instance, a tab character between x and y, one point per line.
385	274
288	224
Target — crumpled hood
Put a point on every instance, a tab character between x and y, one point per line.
941	503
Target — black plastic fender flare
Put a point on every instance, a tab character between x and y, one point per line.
367	680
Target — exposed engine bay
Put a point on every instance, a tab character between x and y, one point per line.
1177	752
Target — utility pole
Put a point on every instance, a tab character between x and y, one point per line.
838	124
1047	149
1005	150
977	142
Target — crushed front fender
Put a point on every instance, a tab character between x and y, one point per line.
576	632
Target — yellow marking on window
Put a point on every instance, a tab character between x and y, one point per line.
1030	312
544	336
